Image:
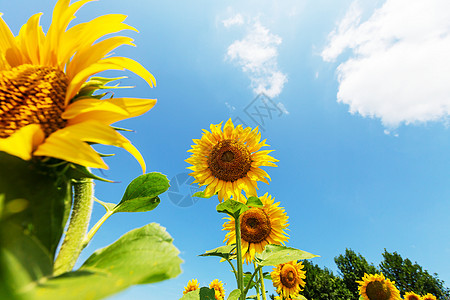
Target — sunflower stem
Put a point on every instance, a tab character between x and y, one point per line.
256	279
234	269
79	221
96	227
240	281
261	280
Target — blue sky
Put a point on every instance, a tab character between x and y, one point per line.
360	101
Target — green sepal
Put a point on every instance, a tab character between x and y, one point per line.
277	254
223	252
96	83
202	293
254	202
142	193
232	208
78	172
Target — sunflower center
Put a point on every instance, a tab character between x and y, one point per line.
412	297
32	94
377	290
288	275
229	160
255	225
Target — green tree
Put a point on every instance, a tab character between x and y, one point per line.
352	267
322	284
411	277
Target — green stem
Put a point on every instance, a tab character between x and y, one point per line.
256	279
95	228
240	281
250	281
78	225
263	289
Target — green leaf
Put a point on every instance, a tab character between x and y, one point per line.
223	251
44	194
254	202
141	256
202	293
234	295
141	194
232	207
276	254
201	194
247	276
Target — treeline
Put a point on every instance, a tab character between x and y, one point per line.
322	284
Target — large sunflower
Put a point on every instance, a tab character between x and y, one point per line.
259	227
229	161
288	279
376	287
46	107
219	291
191	286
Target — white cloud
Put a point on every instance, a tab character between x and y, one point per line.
257	54
235	20
399	67
282	108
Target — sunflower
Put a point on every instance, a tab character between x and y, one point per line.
219	291
429	297
191	286
259	227
47	108
412	296
229	161
376	287
288	279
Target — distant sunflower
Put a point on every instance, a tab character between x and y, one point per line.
376	287
46	106
259	227
412	296
219	291
229	161
191	286
429	297
288	279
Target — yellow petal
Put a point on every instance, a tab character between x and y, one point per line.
80	37
30	40
96	132
23	142
8	46
93	54
111	63
106	111
72	150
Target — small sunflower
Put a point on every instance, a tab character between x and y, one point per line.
219	291
288	279
376	287
429	297
259	227
191	286
47	109
229	161
412	296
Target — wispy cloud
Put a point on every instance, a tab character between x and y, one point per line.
257	54
399	67
234	20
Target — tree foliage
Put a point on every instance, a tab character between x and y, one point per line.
322	284
352	267
411	277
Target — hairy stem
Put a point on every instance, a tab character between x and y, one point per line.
257	285
263	289
79	221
